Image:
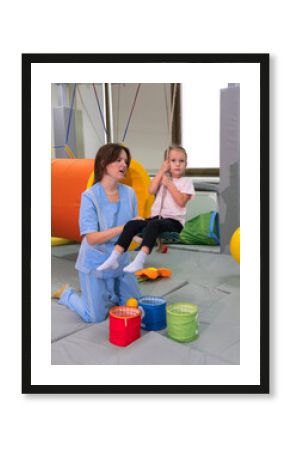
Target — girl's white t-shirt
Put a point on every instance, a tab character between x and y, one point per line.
170	209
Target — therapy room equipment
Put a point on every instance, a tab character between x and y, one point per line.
182	321
71	177
189	308
154	312
125	324
235	245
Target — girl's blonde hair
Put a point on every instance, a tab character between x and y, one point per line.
175	147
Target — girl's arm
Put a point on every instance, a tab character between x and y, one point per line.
155	182
180	198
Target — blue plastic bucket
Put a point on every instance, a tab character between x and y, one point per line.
153	312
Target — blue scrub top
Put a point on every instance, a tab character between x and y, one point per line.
97	213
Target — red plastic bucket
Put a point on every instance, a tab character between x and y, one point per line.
125	325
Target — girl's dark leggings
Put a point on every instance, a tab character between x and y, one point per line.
151	228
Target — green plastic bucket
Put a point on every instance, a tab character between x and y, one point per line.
182	321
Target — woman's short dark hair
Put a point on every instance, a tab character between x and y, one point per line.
107	154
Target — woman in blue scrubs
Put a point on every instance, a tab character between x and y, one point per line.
105	208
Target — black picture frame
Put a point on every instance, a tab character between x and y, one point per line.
27	61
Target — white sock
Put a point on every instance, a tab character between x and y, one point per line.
111	262
137	263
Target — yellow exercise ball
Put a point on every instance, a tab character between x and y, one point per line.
235	245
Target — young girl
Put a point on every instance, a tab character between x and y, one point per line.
104	210
167	214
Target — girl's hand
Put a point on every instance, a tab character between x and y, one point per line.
165	166
165	181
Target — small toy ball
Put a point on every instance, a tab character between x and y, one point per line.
132	302
164	249
235	245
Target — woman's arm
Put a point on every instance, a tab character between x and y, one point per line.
89	221
100	237
155	182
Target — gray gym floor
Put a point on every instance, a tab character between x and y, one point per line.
201	275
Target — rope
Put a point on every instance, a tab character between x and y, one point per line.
172	112
132	109
166	107
70	114
164	190
69	151
66	148
100	110
118	111
88	115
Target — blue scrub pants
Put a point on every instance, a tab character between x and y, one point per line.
99	295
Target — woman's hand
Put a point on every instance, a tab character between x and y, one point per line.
138	218
100	237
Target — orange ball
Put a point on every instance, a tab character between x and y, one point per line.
132	302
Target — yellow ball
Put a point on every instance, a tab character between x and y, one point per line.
132	302
235	245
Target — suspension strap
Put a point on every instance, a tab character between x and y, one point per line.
172	111
100	110
131	112
164	190
70	115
